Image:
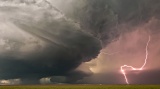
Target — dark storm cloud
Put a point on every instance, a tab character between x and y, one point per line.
108	19
66	45
95	17
104	18
68	41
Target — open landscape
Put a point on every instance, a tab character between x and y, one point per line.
82	87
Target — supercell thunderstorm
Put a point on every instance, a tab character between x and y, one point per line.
38	41
50	39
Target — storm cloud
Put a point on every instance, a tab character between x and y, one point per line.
40	38
123	28
43	43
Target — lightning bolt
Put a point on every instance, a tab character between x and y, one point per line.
132	68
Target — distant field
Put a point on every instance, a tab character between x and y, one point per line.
83	87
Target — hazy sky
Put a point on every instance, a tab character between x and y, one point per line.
79	41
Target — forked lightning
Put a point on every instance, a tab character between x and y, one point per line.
132	68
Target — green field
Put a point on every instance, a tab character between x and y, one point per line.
83	87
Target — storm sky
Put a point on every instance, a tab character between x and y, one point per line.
78	41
